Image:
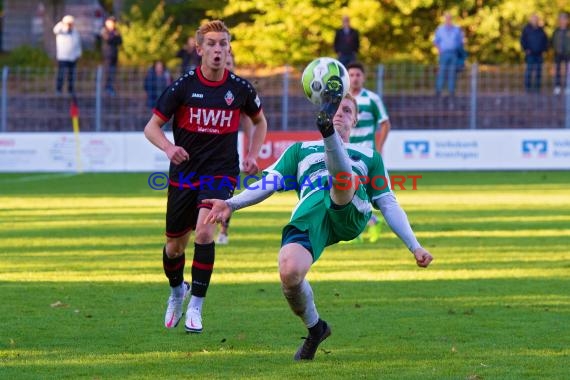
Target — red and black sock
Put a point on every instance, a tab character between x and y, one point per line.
173	268
202	268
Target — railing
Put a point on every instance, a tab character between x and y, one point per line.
486	97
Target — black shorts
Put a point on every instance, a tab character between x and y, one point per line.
292	234
184	204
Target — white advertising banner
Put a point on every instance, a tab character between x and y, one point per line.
478	150
89	152
404	150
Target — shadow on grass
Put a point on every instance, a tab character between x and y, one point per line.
502	328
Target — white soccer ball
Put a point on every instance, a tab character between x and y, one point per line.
316	75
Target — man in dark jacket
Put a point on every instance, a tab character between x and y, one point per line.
534	43
111	41
189	56
561	45
346	42
156	80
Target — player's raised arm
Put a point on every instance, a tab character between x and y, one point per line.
398	222
255	193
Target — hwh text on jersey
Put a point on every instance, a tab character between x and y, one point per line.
208	117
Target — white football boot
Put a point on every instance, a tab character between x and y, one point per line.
174	308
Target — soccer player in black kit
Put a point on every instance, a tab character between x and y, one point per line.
206	105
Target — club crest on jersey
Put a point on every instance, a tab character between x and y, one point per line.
229	98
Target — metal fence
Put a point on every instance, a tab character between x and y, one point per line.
487	97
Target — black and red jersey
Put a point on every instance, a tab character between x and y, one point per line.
206	120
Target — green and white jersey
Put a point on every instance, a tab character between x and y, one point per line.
302	167
371	114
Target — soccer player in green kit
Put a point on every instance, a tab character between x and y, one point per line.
328	210
370	131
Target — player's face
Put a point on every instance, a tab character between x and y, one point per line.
345	118
214	50
356	79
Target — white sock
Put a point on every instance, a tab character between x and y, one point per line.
178	291
336	157
302	303
196	303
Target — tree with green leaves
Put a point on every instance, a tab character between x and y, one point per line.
147	38
274	33
277	32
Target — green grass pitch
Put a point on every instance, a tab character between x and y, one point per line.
83	293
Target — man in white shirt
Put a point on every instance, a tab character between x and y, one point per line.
68	51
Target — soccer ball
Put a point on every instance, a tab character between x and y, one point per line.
316	75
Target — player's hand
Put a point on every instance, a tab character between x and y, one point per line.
220	211
250	165
423	257
176	154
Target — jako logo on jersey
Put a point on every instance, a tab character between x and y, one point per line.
229	98
534	148
207	117
196	95
416	149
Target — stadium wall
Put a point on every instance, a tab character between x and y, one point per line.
538	149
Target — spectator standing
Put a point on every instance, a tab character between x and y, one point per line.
534	42
561	46
68	51
346	42
189	56
449	42
156	80
111	41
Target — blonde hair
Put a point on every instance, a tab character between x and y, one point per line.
353	100
212	26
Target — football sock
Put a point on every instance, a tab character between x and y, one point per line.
196	303
302	303
336	157
173	268
202	267
178	291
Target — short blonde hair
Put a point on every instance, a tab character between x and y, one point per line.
212	26
353	100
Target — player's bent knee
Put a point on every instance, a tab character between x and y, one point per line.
290	271
175	248
204	236
290	277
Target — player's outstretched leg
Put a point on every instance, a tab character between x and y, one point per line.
330	101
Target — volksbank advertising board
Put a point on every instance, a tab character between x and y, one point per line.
404	150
